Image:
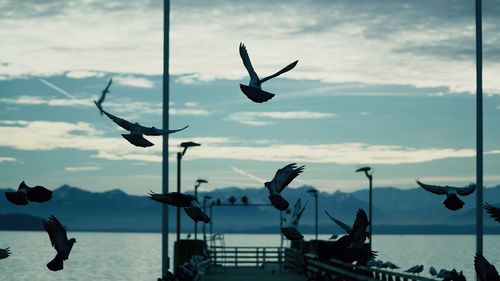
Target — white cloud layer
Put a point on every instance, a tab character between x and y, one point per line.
254	118
7	159
82	169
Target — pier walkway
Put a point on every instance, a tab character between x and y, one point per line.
252	274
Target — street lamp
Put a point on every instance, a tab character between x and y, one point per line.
198	183
369	174
205	198
314	192
185	145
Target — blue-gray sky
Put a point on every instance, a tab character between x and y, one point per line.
384	83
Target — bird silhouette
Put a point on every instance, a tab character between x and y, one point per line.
25	194
357	233
5	253
175	199
196	213
60	242
342	250
443	273
493	211
433	271
415	269
485	270
290	231
254	90
137	131
389	265
452	201
281	180
103	95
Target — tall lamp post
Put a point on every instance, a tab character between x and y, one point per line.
205	198
184	145
369	174
314	193
197	184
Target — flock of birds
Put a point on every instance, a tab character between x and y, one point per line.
351	247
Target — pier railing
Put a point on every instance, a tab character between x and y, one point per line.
245	256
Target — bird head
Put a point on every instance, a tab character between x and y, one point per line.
72	241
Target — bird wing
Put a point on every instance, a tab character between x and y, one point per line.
412	269
484	269
39	194
285	176
152	131
106	89
297	213
4	253
57	233
360	224
493	211
436	189
464	191
119	121
339	223
285	69
247	63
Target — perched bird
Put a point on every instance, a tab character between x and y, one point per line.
196	213
485	270
290	231
4	253
25	193
103	95
168	277
175	199
60	242
493	211
433	271
254	90
282	179
137	131
342	250
452	201
415	269
389	265
443	273
358	232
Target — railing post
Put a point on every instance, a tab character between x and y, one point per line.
264	257
257	263
235	256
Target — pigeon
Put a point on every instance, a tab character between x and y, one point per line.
175	199
137	131
290	231
103	95
59	240
443	273
433	271
168	277
281	180
4	253
493	211
25	193
254	91
358	232
485	271
415	269
196	213
342	250
452	201
389	265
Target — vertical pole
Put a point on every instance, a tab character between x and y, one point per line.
178	221
204	225
164	179
211	221
196	223
370	209
479	128
316	215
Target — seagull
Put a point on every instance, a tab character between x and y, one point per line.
290	231
175	199
493	211
59	240
358	232
136	130
433	271
25	193
4	253
452	201
415	269
485	270
282	179
195	213
103	95
254	91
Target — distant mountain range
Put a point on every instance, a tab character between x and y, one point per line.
395	211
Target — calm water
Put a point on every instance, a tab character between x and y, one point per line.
136	256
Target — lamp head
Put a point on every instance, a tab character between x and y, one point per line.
188	144
201	181
367	170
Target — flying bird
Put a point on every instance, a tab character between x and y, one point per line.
4	253
60	242
415	269
196	213
103	95
290	231
25	194
175	199
281	180
493	211
452	201
357	233
485	270
137	131
254	90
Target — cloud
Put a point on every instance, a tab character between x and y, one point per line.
80	74
134	81
7	159
82	169
254	118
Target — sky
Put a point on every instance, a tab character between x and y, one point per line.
390	84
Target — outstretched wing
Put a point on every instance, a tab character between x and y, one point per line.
285	69
297	212
4	253
493	211
106	90
339	223
436	189
57	233
359	227
119	121
247	63
464	191
152	131
285	176
485	271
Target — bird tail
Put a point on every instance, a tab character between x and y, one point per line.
98	106
18	198
56	264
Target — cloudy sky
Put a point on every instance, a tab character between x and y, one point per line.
383	83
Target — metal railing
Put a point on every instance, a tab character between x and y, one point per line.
245	256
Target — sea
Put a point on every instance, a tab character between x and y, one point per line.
137	256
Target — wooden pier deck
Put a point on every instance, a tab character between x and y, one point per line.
252	274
